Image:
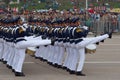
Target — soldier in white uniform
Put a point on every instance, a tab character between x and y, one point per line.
1	43
81	49
83	42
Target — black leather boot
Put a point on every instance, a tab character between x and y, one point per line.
97	43
110	35
72	72
102	41
80	73
9	67
64	68
4	62
19	74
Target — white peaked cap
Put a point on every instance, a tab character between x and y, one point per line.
25	25
85	27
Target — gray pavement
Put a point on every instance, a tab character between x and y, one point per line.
102	65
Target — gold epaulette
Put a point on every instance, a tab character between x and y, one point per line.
21	30
78	30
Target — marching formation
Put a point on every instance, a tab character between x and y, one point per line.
14	41
61	45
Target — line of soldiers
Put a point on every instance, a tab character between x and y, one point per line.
60	45
68	51
69	47
14	41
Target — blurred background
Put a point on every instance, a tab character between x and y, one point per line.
57	4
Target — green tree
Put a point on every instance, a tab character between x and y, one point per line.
7	1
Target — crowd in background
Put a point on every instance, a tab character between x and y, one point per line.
98	22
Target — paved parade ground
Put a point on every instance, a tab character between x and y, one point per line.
102	65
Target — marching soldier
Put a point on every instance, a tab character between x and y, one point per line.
68	50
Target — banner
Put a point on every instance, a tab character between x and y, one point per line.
117	10
98	8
